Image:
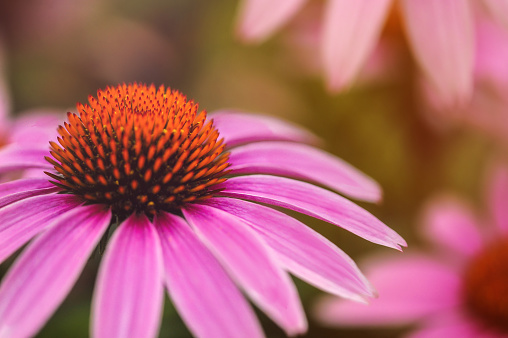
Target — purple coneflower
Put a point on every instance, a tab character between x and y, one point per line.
176	192
459	289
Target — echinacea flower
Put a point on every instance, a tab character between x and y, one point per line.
440	33
176	191
459	289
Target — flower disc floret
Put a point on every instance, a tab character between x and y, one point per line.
138	149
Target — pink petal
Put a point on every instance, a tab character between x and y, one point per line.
410	288
497	196
313	201
300	250
258	19
350	33
453	324
499	10
22	220
45	272
304	162
15	157
441	35
20	185
18	196
250	264
36	129
129	294
450	223
238	128
206	298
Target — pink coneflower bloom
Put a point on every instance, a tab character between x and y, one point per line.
459	289
176	191
440	33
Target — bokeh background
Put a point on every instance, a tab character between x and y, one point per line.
57	52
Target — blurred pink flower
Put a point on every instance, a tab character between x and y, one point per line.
460	289
440	33
175	189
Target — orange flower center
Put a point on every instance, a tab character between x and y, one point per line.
486	286
138	149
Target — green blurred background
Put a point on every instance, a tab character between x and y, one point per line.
57	52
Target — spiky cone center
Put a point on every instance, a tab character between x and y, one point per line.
138	149
486	286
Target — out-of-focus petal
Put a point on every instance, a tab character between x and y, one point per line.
22	220
238	128
129	293
497	196
16	157
36	128
410	287
206	298
46	271
18	196
499	10
305	162
250	263
21	185
453	324
300	250
258	19
451	224
350	33
442	38
313	201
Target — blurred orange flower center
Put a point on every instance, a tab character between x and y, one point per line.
486	286
138	149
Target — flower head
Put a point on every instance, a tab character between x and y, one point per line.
176	190
440	34
461	289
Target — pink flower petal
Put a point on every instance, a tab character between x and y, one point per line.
129	293
304	162
499	10
410	287
350	33
300	250
18	196
313	201
497	196
36	129
258	19
238	128
453	324
15	157
206	298
450	223
45	272
250	264
441	35
20	185
22	220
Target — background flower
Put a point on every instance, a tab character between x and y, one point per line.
459	287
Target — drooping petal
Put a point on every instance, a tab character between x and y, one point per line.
499	10
206	298
238	128
410	287
497	196
250	263
18	196
442	38
451	224
20	185
21	221
15	157
36	128
258	19
300	250
46	271
305	162
313	201
129	292
350	33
